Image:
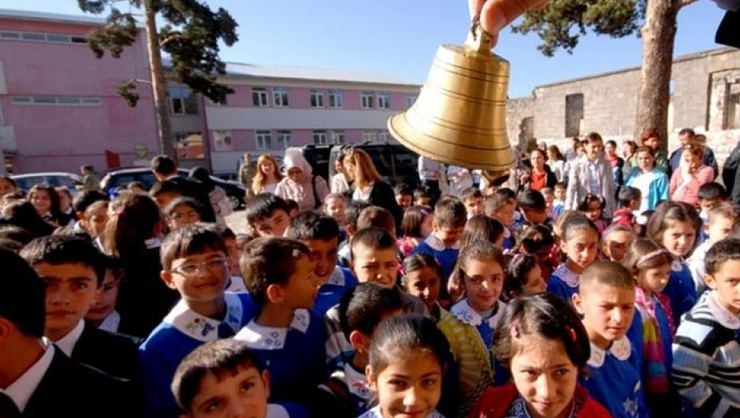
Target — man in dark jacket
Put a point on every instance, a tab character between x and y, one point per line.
165	168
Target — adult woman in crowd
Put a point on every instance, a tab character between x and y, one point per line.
629	151
300	184
267	175
340	181
368	184
540	176
556	161
217	196
652	182
691	175
617	163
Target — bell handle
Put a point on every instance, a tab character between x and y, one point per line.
478	39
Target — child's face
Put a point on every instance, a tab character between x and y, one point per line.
607	311
164	199
678	238
544	375
71	290
65	201
303	286
581	247
483	282
534	282
409	386
651	143
560	193
423	201
505	214
635	204
274	226
549	198
324	255
105	302
404	200
427	226
199	277
726	281
243	394
645	161
375	265
450	235
96	221
6	187
182	215
593	211
424	284
536	216
41	200
616	243
336	207
719	228
592	149
707	204
474	206
654	280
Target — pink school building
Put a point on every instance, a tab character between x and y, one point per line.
59	107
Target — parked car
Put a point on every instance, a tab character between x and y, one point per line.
53	179
396	163
120	178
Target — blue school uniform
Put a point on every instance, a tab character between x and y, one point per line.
680	290
294	356
614	380
446	256
509	240
563	282
181	332
330	292
287	410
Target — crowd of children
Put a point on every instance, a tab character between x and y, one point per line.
549	303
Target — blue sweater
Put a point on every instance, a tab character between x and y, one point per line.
680	290
330	292
563	283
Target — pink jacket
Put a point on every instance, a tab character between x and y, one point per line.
687	190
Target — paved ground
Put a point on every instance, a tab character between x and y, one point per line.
237	222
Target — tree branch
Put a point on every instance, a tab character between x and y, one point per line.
170	39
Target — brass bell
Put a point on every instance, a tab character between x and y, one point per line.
459	117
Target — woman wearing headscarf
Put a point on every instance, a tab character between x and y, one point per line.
300	184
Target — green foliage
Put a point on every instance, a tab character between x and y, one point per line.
563	22
190	37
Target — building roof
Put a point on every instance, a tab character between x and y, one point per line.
50	17
234	69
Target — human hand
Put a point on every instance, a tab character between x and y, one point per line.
494	15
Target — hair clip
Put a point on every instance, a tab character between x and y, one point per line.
650	255
514	330
572	334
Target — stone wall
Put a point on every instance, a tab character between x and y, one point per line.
520	120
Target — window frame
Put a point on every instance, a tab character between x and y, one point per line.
259	97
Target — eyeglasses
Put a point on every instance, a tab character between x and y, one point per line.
191	269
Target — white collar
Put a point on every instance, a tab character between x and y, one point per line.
271	338
621	349
111	322
337	277
721	314
676	265
22	389
465	313
567	275
236	284
275	410
68	342
201	327
437	244
357	382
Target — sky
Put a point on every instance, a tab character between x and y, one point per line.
400	37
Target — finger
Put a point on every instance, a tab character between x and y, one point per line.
496	14
474	6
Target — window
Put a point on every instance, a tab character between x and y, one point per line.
222	141
32	36
42	37
319	137
259	97
285	139
317	98
335	99
410	100
337	137
182	101
280	97
366	100
573	114
189	145
263	140
384	101
57	38
368	136
56	100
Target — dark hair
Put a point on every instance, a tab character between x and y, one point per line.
54	209
403	189
627	194
376	216
561	185
225	231
65	249
498	200
727	210
135	221
607	273
578	223
268	261
422	192
720	253
712	191
202	175
10	245
193	204
221	358
163	165
375	238
166	187
9	180
671	211
401	335
313	225
450	212
646	254
470	192
592	137
133	184
686	131
15	233
547	316
590	197
532	200
190	240
292	206
419	261
363	307
22	295
86	198
611	142
354	208
22	214
516	275
482	227
481	251
264	205
535	238
412	220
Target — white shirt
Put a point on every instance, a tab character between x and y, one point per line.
111	322
642	182
21	390
594	182
68	342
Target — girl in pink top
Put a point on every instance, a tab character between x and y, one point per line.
691	175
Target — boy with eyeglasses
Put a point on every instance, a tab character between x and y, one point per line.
195	263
